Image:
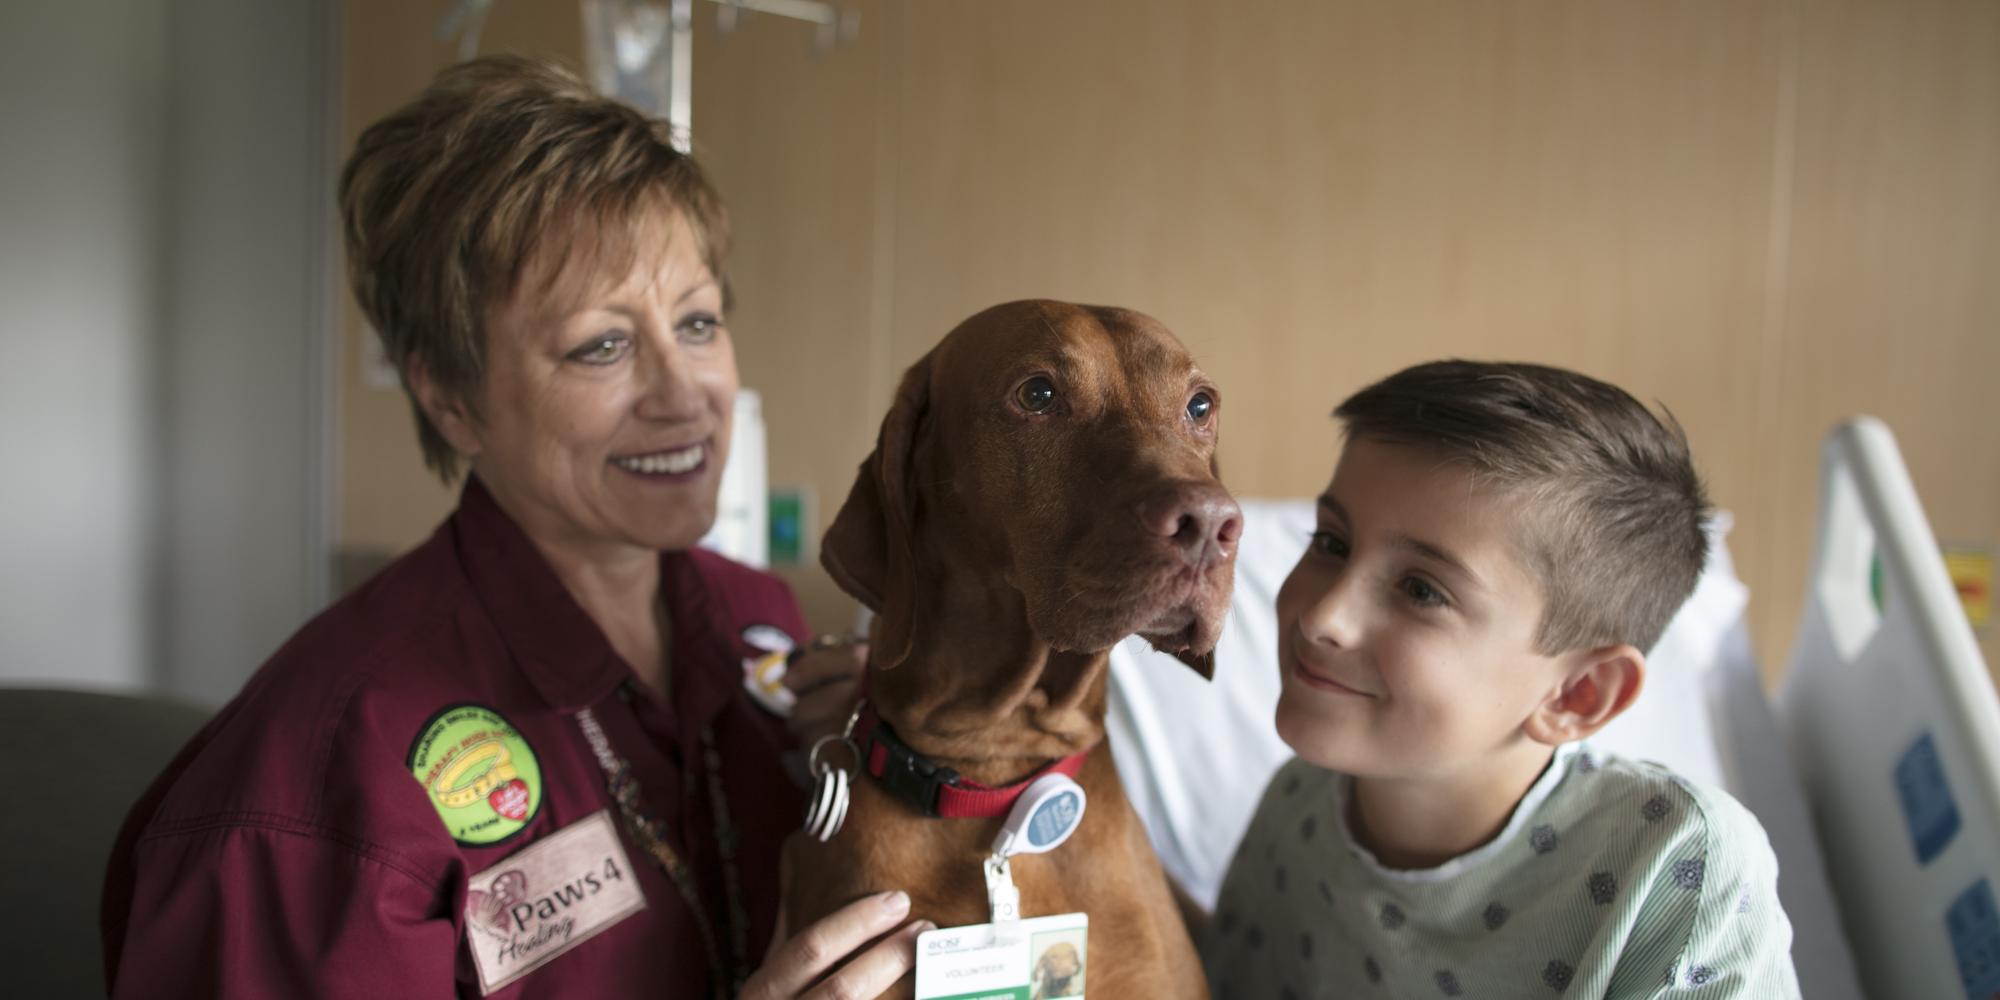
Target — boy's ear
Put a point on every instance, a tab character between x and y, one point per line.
1598	687
446	412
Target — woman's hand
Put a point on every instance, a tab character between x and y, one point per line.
798	968
825	679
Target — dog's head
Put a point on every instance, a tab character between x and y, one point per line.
1068	451
1058	965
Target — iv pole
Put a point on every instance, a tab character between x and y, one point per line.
642	51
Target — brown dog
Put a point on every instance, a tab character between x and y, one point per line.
1044	485
1059	973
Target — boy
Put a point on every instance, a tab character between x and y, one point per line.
1500	544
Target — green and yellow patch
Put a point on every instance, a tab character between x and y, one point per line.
479	772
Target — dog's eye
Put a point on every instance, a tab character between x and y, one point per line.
1199	407
1036	395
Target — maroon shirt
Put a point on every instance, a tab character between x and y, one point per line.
289	851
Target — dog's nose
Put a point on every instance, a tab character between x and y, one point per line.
1200	521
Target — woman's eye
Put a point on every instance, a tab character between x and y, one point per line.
1327	543
1036	395
1422	592
604	350
699	328
1199	407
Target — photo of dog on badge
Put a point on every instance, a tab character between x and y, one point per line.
1058	964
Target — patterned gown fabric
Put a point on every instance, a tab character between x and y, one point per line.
1613	878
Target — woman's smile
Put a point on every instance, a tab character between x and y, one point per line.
677	463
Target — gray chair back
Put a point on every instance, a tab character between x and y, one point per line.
71	764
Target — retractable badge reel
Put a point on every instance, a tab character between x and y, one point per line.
1045	815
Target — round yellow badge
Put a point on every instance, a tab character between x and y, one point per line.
479	772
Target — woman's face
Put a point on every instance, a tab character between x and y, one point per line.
604	413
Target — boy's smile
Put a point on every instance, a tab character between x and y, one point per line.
1407	629
1324	678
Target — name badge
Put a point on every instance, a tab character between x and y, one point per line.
1041	958
549	897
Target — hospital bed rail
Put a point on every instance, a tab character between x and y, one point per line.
1895	731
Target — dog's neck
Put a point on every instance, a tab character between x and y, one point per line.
981	694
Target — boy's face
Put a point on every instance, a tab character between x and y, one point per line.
1406	632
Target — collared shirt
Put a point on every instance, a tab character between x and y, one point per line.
291	850
1613	878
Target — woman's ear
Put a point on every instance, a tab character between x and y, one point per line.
445	411
1598	686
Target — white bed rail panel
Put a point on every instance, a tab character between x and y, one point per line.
1895	730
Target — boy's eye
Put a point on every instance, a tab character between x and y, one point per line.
1422	592
604	350
699	328
1327	543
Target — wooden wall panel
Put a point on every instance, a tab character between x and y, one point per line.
1686	199
1316	195
1893	288
1763	214
794	141
387	500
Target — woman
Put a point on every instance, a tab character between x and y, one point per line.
520	760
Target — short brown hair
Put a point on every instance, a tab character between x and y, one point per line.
447	201
1615	512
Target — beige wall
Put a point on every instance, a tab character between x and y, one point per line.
1762	213
1892	275
387	501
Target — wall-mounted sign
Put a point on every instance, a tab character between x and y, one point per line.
1971	572
791	523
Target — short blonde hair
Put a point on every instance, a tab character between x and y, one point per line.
499	163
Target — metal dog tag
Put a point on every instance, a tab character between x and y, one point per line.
828	808
1047	812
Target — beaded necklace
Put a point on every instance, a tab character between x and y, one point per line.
649	833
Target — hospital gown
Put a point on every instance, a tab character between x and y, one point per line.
1613	878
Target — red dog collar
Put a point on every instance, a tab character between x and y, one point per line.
935	790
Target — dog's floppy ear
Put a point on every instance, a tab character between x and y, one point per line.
870	548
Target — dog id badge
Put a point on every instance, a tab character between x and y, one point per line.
1045	814
1048	811
1041	958
547	898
